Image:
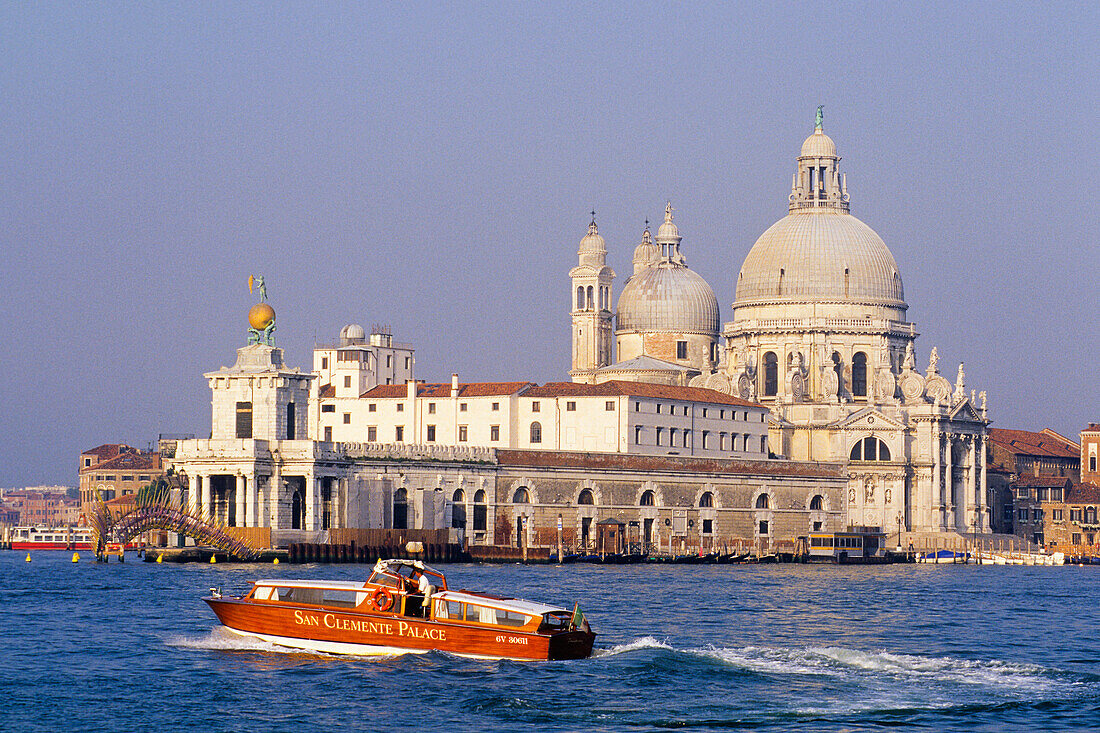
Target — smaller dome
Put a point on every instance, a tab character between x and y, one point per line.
818	145
668	298
668	233
352	333
645	253
592	241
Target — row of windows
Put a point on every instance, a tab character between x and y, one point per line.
359	357
682	437
430	432
1086	515
705	411
1041	493
648	498
859	373
585	299
125	477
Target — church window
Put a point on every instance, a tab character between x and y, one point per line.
648	498
244	419
570	406
706	499
431	434
817	503
781	273
762	501
714	352
580	298
771	374
589	297
463	433
859	374
494	433
681	349
399	434
870	449
536	432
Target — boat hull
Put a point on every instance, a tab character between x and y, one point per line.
352	632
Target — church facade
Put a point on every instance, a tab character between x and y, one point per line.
819	334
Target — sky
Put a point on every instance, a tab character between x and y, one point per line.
432	168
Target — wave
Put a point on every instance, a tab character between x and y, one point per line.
1008	678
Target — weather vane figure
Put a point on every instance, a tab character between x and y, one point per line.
261	317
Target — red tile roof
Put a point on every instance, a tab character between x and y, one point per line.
137	461
1024	442
617	388
474	389
108	450
672	464
1084	493
1045	481
327	390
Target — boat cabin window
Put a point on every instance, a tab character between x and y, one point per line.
449	609
262	593
311	596
385	579
555	621
342	598
486	615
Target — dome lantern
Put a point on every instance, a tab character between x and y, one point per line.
818	183
668	238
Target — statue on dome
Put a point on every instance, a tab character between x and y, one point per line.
261	317
934	361
820	117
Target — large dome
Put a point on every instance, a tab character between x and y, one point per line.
823	255
668	298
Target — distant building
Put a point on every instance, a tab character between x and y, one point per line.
115	470
1012	454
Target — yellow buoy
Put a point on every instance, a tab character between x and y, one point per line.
275	561
160	557
213	560
28	557
76	557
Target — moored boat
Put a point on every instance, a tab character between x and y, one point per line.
51	538
396	612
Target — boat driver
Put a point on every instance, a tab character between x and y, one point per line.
424	587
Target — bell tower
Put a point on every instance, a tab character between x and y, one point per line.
590	296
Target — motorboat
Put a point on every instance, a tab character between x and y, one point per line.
395	612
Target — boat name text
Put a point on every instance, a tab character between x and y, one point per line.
401	628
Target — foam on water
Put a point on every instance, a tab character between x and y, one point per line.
646	642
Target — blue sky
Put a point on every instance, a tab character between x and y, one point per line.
433	169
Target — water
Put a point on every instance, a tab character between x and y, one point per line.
131	647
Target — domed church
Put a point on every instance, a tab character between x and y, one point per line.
819	333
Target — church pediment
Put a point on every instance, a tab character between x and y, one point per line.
869	419
965	412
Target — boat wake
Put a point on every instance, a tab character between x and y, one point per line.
222	639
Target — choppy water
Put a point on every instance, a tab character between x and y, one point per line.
132	647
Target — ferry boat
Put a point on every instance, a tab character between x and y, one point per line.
51	538
388	615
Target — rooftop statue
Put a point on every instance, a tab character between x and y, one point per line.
261	317
820	117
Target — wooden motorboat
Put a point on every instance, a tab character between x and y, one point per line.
388	615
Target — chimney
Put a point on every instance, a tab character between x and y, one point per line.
454	385
410	389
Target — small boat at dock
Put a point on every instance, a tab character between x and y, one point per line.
394	612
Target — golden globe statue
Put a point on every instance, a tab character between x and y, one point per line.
260	316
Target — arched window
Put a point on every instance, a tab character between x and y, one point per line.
458	509
838	367
521	496
817	503
706	500
536	432
297	511
859	374
400	509
580	298
480	510
762	501
590	297
870	449
771	374
647	498
585	497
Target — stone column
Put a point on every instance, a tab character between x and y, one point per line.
948	485
338	503
972	486
274	495
251	496
312	497
935	495
983	497
239	498
207	501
